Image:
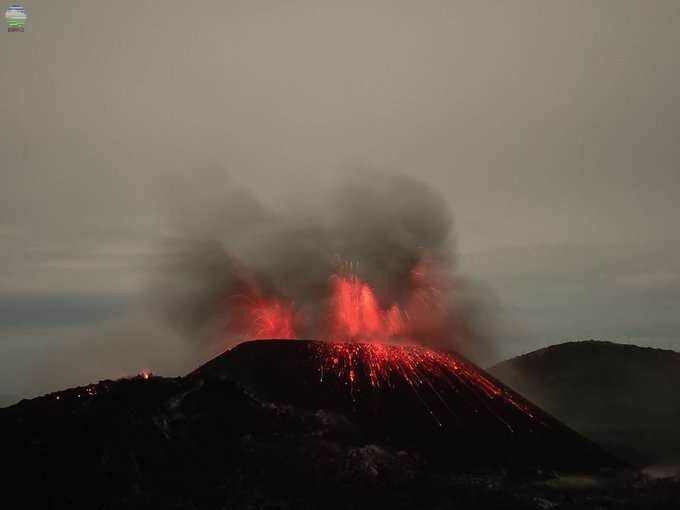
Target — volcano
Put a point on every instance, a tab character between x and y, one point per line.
288	424
437	403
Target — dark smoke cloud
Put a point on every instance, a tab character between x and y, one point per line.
377	225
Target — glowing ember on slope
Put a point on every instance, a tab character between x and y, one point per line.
377	365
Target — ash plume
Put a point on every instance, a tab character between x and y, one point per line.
391	232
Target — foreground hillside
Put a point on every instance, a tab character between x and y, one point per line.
623	397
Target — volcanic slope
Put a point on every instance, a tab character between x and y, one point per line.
411	397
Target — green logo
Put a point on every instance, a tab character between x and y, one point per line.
15	16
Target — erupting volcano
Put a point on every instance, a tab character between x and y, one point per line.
373	362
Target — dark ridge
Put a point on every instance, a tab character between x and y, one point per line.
622	396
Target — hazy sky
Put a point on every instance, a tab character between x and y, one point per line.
551	128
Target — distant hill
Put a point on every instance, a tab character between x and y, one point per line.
624	397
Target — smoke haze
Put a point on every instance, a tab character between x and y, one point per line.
376	226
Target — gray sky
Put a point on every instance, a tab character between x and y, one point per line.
551	128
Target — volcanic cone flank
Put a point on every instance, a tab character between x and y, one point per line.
435	403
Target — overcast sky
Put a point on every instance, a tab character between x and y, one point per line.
550	127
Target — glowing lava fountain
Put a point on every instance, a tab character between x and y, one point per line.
352	312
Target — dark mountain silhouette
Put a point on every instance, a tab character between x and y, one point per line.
458	416
294	424
623	397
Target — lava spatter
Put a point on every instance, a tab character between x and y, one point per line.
349	311
376	365
257	315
